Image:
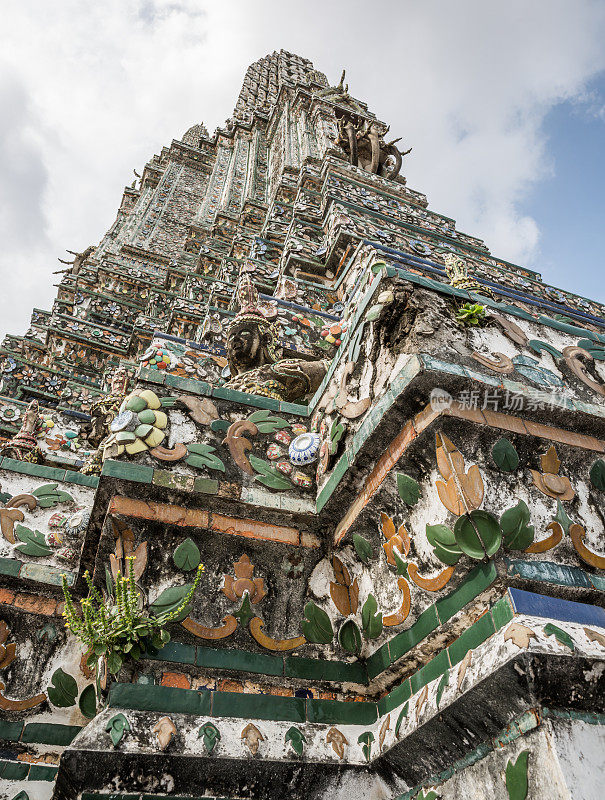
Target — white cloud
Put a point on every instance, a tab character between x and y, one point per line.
89	91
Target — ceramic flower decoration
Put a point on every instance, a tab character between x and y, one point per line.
140	425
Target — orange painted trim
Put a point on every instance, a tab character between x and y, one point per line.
254	529
547	544
159	512
281	645
402	614
430	584
374	480
221	632
200	518
577	534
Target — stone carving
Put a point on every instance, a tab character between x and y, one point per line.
340	94
103	411
456	269
79	259
253	352
363	141
24	446
252	339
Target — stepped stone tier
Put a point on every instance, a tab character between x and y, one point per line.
385	445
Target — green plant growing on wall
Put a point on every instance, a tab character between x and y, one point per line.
470	314
115	628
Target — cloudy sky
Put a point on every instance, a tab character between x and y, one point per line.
503	103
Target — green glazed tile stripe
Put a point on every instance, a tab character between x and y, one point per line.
257	401
139	796
37	470
378	661
46	574
165	699
143	697
502	612
471	638
14	770
128	471
239	660
262	664
549	572
205	485
49	733
35	572
188	384
317	669
258	706
10	566
10	731
591	717
431	670
395	698
477	581
81	480
38	772
293	408
151	376
335	712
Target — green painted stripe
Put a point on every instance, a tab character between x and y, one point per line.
49	733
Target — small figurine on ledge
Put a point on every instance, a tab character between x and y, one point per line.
103	412
24	446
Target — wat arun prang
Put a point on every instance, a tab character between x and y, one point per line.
327	475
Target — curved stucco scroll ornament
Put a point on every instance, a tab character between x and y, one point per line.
500	362
11	513
511	329
573	358
238	444
214	634
8	653
544	545
402	613
251	591
577	534
268	642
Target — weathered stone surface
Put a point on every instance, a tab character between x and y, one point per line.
384	446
